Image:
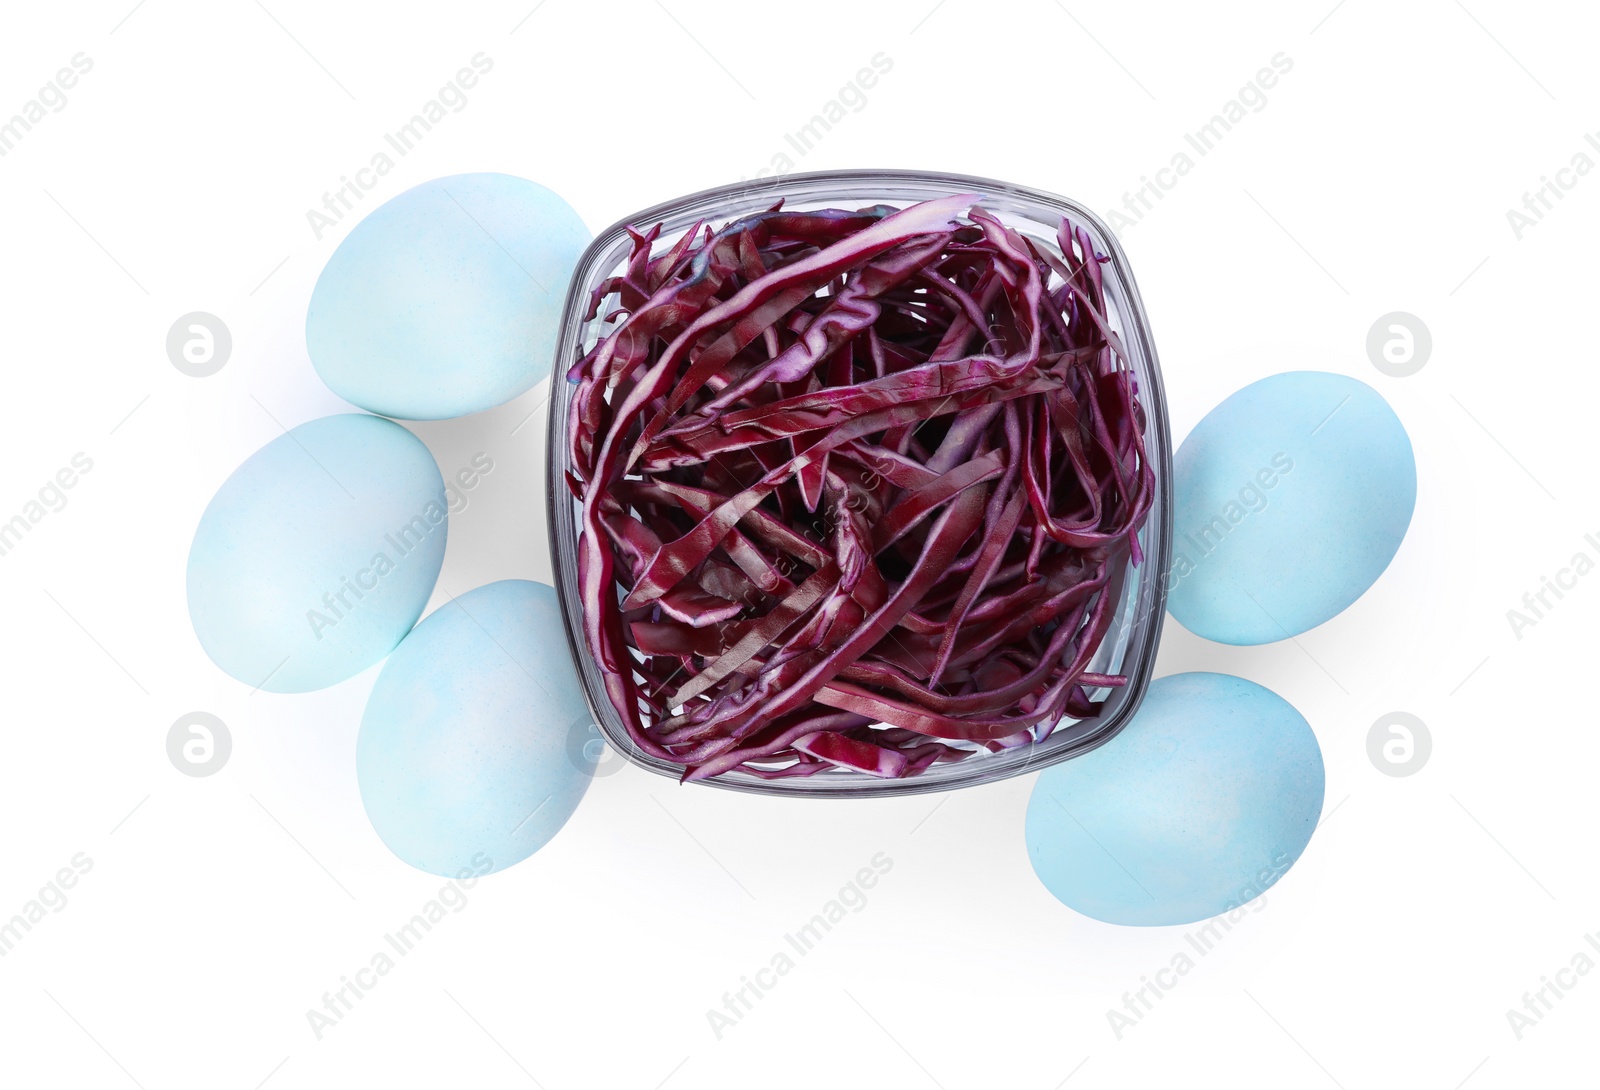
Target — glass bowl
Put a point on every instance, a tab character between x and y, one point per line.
1129	646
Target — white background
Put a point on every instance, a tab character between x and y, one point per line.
1376	178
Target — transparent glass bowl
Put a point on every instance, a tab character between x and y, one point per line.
1129	646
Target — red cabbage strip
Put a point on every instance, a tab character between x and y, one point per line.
859	489
850	753
760	634
953	527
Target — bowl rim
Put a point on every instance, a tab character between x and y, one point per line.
1150	605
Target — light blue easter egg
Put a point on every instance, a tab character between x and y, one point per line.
445	300
464	756
1292	497
1204	800
317	556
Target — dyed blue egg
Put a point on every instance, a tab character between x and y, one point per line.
1203	801
464	756
445	300
317	556
1292	496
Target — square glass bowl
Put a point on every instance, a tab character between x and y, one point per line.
1129	646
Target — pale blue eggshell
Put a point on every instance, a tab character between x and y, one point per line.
445	300
318	554
1292	496
1203	801
464	758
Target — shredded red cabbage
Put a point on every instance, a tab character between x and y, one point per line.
859	488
